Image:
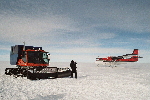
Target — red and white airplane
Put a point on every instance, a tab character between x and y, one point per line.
113	60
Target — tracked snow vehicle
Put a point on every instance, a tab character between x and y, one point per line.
32	62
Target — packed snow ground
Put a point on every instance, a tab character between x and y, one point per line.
125	82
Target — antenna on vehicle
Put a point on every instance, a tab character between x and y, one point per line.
24	45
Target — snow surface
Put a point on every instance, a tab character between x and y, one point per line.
125	82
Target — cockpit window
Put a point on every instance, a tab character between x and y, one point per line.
37	57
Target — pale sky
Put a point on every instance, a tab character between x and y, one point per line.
76	29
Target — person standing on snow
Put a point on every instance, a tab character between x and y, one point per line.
73	67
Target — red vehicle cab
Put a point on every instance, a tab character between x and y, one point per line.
28	56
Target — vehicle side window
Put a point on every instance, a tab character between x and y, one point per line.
44	55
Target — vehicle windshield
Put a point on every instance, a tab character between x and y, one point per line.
37	57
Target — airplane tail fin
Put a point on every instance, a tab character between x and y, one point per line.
135	52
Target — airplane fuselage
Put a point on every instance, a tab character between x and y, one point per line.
113	60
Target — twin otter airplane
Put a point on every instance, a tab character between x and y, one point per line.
113	60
